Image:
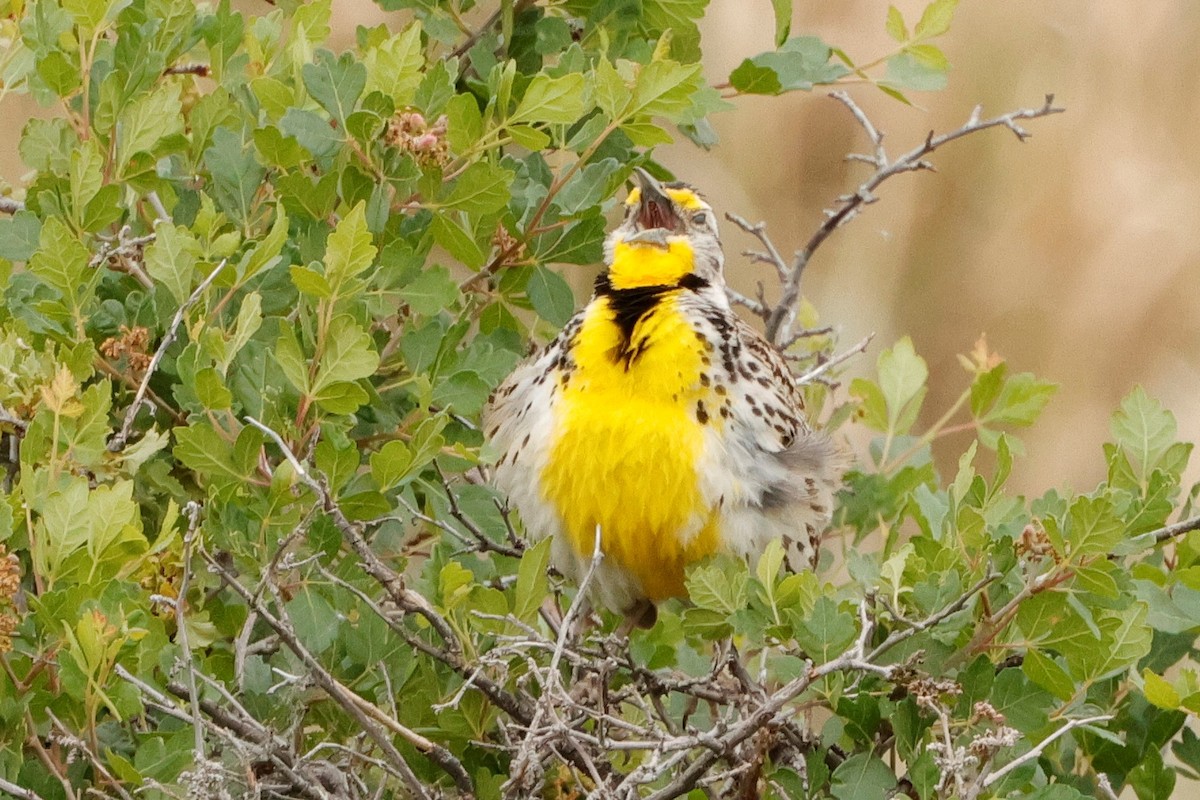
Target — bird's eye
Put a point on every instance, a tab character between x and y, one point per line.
700	218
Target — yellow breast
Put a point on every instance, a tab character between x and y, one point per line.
627	444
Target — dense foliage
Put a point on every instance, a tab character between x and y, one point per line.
255	293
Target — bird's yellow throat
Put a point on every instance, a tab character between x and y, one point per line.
642	264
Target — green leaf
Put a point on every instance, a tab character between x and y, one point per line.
456	241
59	73
310	282
61	259
237	176
1000	399
454	584
1023	705
826	632
532	587
1045	672
464	122
433	291
278	149
336	83
753	78
390	464
895	26
464	392
579	243
860	776
906	72
1144	429
936	19
712	587
1152	779
553	100
211	457
291	358
665	88
1159	691
266	251
783	20
1125	638
800	63
211	390
902	377
312	132
19	236
551	296
249	320
144	123
349	354
171	259
87	165
612	92
528	137
341	397
1093	527
348	251
929	56
482	189
92	14
394	66
314	620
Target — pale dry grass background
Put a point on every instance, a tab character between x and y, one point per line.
1076	252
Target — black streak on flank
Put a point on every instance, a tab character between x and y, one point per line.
629	306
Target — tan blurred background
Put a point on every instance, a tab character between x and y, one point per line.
1075	252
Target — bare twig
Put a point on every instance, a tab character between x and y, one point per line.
181	633
782	313
1169	532
160	211
117	443
825	366
896	637
521	763
18	792
1037	749
516	705
124	254
487	25
236	727
93	758
349	702
483	541
1105	787
8	418
756	307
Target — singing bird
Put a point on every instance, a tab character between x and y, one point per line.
659	421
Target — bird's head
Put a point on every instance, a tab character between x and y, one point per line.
669	232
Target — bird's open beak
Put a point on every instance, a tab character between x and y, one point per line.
655	209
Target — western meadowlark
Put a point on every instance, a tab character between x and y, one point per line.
659	421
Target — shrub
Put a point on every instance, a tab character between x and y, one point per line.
255	295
